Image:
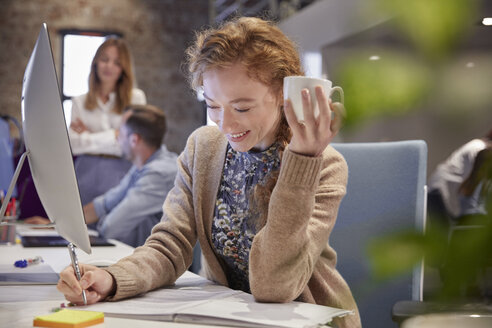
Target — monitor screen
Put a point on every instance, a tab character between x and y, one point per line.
48	146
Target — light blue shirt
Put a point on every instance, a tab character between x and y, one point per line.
129	211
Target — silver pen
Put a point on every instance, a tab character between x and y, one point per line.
76	268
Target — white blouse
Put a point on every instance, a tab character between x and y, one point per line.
450	174
102	122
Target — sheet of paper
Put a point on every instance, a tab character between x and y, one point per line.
242	310
166	301
195	299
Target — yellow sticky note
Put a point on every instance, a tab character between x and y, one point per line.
67	318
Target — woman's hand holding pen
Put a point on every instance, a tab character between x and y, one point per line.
314	134
97	283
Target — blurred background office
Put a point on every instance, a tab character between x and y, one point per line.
156	31
411	69
445	97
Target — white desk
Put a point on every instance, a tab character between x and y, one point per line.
16	302
192	299
17	310
58	257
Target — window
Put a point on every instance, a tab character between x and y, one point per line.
78	49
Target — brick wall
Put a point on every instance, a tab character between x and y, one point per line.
158	31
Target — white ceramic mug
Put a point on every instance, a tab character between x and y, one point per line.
292	90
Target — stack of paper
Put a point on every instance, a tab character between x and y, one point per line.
216	305
37	274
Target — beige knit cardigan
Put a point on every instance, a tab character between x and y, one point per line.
290	257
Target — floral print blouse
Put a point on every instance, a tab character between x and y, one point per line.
233	227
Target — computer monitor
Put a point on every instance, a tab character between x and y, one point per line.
48	147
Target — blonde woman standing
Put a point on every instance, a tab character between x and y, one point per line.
96	117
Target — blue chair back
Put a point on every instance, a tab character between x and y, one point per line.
385	193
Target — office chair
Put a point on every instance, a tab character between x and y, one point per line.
385	193
6	155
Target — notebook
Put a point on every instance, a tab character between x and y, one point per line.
37	274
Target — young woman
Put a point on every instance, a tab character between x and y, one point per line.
260	192
96	117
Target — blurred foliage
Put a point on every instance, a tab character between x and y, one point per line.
464	87
386	82
391	85
397	254
433	26
400	80
459	249
460	257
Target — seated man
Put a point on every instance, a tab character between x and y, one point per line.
128	211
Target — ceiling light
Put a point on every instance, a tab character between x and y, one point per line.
487	21
375	57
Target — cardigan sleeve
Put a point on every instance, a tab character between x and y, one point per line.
301	214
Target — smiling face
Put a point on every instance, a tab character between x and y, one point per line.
108	66
245	110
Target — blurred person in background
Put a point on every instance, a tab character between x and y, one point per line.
129	211
445	182
476	189
96	117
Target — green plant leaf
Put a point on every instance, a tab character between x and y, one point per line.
433	26
391	85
